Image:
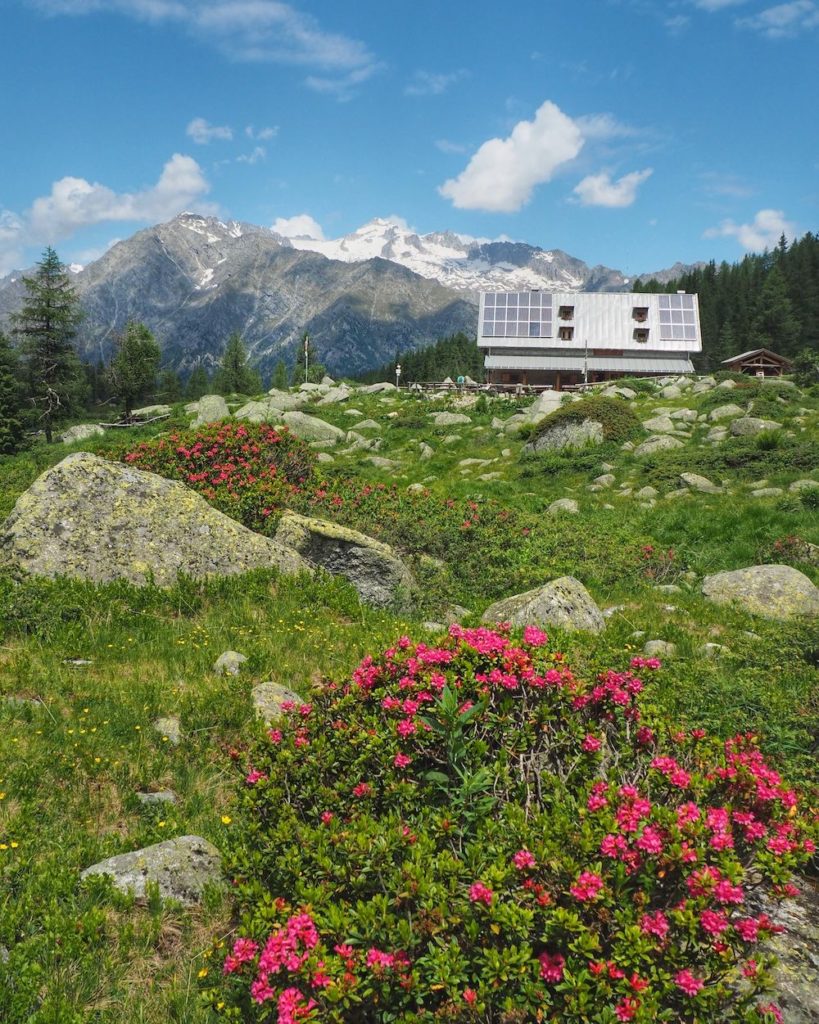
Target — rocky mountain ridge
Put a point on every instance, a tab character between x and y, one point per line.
194	280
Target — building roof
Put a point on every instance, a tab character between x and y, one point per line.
595	364
756	352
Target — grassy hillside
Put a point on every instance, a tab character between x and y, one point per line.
86	670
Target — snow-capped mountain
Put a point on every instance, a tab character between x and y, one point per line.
463	263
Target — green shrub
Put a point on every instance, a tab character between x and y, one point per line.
619	422
469	832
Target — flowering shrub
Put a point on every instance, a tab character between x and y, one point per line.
247	470
470	832
661	566
789	549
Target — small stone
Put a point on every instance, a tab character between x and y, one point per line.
606	480
324	457
162	796
425	451
181	868
766	492
668	588
748	426
268	699
659	649
416	488
169	727
229	663
655	444
564	505
712	650
726	412
699	483
647	493
803	485
451	439
679	493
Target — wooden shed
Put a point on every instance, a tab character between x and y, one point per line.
760	362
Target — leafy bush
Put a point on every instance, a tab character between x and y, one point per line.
249	471
619	422
469	832
742	455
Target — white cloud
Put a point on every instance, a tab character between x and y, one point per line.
446	146
602	127
717	5
262	134
202	133
600	190
716	183
74	203
300	226
503	173
11	241
259	153
763	233
431	83
784	20
245	30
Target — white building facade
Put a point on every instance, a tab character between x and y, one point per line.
560	338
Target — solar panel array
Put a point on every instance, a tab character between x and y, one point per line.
677	318
517	315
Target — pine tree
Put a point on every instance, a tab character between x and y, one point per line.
11	399
198	384
234	376
46	326
169	386
774	325
132	373
279	379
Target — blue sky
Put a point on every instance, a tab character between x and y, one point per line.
631	133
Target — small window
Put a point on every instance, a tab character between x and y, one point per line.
566	333
641	334
566	313
640	314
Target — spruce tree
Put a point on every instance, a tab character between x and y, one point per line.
198	384
132	373
279	379
234	376
11	399
169	386
774	324
46	327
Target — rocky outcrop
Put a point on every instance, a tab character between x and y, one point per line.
181	868
81	432
772	591
88	518
748	426
311	428
658	443
373	568
564	602
269	699
210	409
567	435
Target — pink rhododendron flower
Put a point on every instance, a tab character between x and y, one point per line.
534	637
714	922
587	887
523	860
655	924
686	981
479	893
402	761
591	744
551	967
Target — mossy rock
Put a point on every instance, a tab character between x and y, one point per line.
619	423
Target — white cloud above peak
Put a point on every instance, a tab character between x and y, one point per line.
74	203
600	190
302	225
503	173
763	232
784	20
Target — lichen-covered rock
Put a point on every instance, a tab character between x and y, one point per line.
563	505
747	426
726	412
149	412
311	428
660	425
567	435
772	591
229	663
373	568
796	975
181	868
564	602
265	411
656	444
269	698
449	419
169	729
81	432
210	409
88	518
699	483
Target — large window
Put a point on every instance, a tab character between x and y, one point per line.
677	318
517	315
